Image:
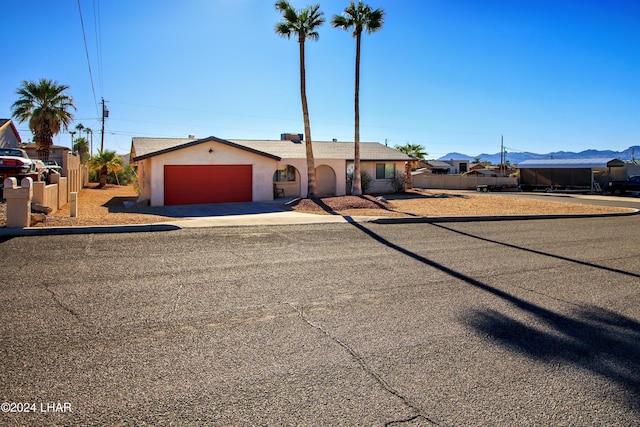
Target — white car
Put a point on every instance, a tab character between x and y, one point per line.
15	162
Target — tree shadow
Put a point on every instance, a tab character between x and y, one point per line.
534	251
592	338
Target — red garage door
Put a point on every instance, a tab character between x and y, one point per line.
197	184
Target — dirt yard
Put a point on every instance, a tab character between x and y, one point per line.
105	206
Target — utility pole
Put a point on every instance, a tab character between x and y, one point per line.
105	114
501	154
72	133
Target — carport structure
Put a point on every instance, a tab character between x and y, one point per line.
568	174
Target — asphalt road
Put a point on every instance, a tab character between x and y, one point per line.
480	323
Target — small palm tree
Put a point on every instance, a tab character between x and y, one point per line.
414	150
359	17
304	24
106	161
47	108
81	146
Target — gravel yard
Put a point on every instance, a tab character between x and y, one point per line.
105	206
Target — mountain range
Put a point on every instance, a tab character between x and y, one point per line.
631	153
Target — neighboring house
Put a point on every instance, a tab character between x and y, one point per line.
447	167
483	172
175	171
9	136
56	152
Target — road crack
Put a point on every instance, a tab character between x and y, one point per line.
62	305
175	306
369	370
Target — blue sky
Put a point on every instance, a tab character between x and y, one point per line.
451	75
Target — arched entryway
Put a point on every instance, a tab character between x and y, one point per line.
286	182
325	181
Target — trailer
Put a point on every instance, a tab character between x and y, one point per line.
485	188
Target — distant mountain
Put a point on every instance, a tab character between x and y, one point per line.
515	158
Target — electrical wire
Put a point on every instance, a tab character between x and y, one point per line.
98	34
86	49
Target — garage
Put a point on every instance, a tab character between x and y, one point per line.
198	184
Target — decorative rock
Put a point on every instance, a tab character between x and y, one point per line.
37	217
38	208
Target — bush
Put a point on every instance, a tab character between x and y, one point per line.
366	181
125	176
399	182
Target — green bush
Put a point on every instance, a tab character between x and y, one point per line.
125	176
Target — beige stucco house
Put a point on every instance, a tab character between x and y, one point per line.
173	171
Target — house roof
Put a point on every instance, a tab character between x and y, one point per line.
34	146
369	151
8	124
143	148
596	163
439	164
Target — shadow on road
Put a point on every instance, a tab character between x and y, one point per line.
592	338
560	257
128	205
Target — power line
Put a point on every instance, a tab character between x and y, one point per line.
98	34
86	49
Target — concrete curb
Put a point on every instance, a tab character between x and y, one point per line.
57	231
434	219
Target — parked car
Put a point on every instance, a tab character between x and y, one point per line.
15	163
621	187
53	165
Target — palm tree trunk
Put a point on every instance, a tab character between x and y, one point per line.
103	176
356	187
311	171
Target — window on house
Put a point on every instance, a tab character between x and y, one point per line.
385	170
285	174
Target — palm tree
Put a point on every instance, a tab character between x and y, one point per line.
304	24
414	150
359	17
81	146
46	106
89	131
106	161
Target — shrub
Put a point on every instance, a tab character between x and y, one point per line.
366	181
399	182
125	176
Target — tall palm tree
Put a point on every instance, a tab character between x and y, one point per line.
89	131
359	17
106	161
47	108
304	24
